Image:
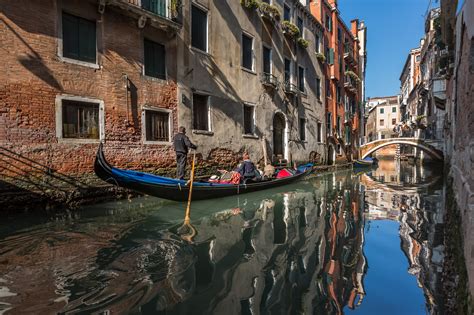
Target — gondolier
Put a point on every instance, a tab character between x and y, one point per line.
181	146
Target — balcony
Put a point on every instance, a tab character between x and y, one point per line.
350	84
164	14
438	89
349	54
348	117
269	80
291	88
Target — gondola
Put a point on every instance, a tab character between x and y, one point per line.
367	162
175	189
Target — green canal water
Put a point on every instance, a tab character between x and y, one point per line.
346	242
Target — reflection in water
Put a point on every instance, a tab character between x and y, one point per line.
298	249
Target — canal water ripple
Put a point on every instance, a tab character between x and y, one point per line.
365	242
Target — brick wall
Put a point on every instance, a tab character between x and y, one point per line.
34	75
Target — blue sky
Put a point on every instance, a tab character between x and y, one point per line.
393	28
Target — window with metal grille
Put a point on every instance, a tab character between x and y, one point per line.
300	26
317	43
199	28
394	109
155	63
249	119
157	126
318	88
79	38
301	79
247	52
267	60
286	13
320	132
200	112
381	111
302	129
287	70
80	120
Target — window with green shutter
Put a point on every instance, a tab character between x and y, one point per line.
155	63
79	38
331	56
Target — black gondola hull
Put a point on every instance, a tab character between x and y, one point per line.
181	192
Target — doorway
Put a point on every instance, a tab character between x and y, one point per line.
279	126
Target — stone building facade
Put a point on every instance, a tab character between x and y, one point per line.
250	79
458	35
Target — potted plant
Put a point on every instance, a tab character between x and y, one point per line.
353	75
303	42
320	57
250	4
174	7
269	11
290	29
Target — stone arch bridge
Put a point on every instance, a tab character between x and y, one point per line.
373	146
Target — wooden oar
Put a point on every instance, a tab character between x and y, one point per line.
187	231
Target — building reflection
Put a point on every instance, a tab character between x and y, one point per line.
412	196
298	251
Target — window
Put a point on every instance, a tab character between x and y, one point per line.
339	35
155	65
329	124
320	132
338	94
301	79
394	121
201	112
382	137
287	70
317	43
381	123
318	88
157	125
286	13
249	119
338	125
247	52
300	26
79	38
302	129
381	111
199	28
267	60
80	120
394	109
330	56
328	23
328	88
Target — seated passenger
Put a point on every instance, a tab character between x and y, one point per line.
247	169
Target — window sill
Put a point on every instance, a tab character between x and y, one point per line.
249	136
79	62
167	143
203	132
248	70
202	52
78	141
154	79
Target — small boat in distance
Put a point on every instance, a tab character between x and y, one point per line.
367	162
178	190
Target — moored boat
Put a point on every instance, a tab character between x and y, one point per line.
178	190
367	162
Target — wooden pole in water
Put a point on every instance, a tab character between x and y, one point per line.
264	147
188	208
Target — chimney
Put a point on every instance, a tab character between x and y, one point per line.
355	27
333	3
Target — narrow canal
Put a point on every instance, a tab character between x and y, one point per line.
346	242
